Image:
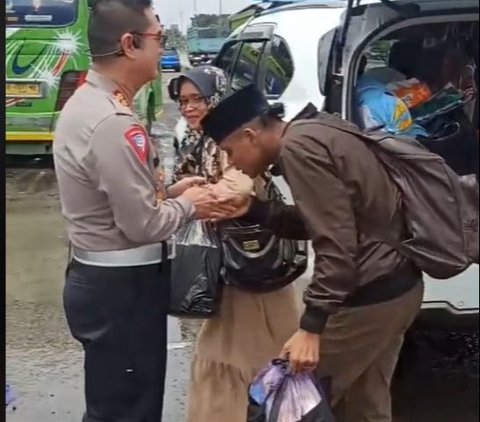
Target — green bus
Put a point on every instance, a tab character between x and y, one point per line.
47	59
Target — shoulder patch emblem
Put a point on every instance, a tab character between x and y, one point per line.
138	140
120	97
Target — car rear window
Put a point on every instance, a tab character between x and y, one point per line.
245	70
227	59
279	68
242	62
40	12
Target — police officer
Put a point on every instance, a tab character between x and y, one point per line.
118	218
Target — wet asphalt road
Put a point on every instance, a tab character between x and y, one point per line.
44	365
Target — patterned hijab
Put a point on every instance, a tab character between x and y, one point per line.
197	154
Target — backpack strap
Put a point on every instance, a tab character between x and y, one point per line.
373	135
373	129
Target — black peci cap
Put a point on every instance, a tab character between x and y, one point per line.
233	112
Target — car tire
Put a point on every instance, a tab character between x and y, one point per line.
178	69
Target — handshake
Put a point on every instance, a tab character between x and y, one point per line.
211	202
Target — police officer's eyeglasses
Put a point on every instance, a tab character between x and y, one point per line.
160	37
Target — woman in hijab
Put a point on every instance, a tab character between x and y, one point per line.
251	328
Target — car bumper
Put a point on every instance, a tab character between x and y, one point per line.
445	319
197	61
28	143
171	65
29	136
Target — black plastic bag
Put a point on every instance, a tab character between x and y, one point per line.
277	396
195	273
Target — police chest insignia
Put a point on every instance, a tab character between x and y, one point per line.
118	95
137	138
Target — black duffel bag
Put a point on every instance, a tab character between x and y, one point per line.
256	260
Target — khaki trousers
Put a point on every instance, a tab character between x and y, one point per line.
359	351
249	332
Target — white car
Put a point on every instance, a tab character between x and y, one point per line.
310	51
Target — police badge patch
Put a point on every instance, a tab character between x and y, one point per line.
138	140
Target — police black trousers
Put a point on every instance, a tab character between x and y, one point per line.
119	315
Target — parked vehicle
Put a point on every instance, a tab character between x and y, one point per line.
171	60
203	44
320	64
239	18
46	60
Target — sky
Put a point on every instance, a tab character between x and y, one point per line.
180	11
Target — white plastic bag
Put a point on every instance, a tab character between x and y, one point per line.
277	396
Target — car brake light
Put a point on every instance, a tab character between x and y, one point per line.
69	82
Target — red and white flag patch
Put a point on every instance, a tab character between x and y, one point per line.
138	140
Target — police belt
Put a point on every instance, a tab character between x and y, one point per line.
134	257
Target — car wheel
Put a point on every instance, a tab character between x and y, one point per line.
178	69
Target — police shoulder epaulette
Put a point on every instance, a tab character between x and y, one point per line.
121	103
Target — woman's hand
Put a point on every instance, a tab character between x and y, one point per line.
188	182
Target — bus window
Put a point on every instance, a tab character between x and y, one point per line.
279	69
37	13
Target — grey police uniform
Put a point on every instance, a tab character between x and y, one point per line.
116	290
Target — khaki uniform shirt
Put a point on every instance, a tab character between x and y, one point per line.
107	176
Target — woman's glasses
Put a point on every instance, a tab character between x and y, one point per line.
194	101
